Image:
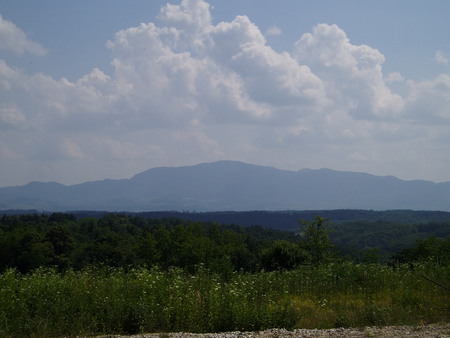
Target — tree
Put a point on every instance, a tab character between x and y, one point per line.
430	249
315	240
282	255
32	252
63	243
371	255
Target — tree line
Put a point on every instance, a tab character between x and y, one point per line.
64	241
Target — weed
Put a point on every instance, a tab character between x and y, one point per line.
113	301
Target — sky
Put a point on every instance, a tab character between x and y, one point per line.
101	89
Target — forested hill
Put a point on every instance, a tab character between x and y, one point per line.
230	185
352	231
29	240
288	220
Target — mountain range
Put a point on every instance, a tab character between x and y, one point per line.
231	185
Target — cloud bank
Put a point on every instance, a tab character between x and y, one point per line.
14	40
186	90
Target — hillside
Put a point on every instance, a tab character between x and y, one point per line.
229	185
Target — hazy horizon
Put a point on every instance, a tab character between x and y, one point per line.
197	164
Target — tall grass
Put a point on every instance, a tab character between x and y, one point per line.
107	301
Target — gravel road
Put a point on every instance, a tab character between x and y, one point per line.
433	330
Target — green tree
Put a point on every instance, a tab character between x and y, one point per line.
147	249
63	243
32	252
315	240
429	249
281	255
371	255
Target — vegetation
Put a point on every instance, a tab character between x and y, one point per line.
63	275
62	241
112	300
316	241
65	241
360	235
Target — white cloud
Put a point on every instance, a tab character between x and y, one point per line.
231	71
11	117
8	76
14	40
184	24
274	31
185	90
71	149
270	78
352	74
440	58
394	77
429	101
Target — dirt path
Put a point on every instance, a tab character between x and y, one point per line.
433	330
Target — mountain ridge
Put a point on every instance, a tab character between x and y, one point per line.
232	185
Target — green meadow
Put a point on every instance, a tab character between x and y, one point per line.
112	300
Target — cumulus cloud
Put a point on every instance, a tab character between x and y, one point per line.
185	89
274	31
14	40
429	101
394	77
7	74
183	24
11	116
226	73
440	58
70	149
352	74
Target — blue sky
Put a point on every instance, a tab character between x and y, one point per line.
105	89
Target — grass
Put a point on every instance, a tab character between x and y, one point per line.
114	301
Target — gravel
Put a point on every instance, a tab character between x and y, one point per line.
432	330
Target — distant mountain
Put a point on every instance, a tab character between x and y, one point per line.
230	185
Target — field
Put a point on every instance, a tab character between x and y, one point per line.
112	300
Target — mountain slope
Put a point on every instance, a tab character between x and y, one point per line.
229	185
